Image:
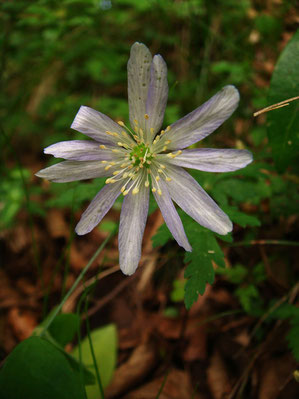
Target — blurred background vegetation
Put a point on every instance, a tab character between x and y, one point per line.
57	55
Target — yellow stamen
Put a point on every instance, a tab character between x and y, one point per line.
103	147
146	116
121	123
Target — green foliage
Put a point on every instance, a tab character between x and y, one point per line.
61	331
249	298
12	195
73	195
283	123
205	250
36	369
287	311
104	341
247	282
235	73
64	327
178	291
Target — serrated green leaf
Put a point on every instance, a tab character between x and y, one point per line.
205	250
199	272
283	123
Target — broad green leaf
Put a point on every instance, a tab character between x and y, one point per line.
283	123
36	369
60	332
64	327
104	342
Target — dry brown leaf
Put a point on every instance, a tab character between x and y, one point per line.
56	224
21	322
177	386
8	295
197	345
273	374
129	374
217	376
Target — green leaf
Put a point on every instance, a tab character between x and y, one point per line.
162	236
249	298
288	311
292	338
283	123
64	327
36	369
199	272
241	218
205	250
235	275
177	293
60	332
104	341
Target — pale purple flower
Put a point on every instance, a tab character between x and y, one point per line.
143	157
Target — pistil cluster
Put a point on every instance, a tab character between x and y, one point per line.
136	161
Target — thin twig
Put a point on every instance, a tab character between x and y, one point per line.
276	106
72	289
265	242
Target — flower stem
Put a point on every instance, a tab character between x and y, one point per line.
71	290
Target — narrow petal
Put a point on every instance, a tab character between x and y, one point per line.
211	160
132	223
74	170
203	120
95	125
188	194
171	217
98	208
157	96
80	150
138	83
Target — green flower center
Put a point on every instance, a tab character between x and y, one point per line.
141	155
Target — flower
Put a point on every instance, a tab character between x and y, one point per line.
145	156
